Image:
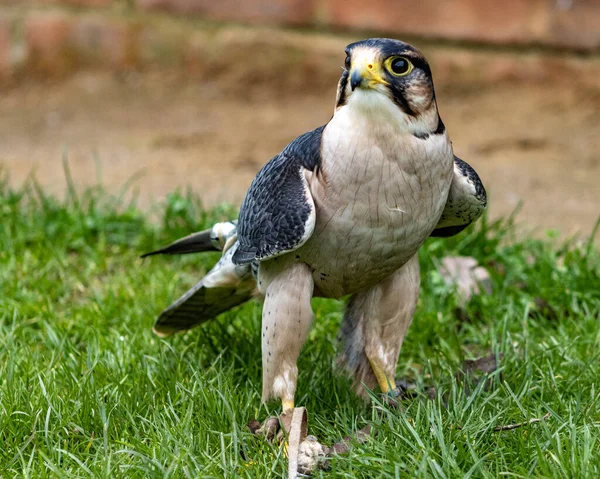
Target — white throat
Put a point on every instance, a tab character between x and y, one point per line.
373	106
370	131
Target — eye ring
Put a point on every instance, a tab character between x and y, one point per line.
398	66
347	62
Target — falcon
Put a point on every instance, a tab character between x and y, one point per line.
341	211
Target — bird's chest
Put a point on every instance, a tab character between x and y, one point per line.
378	198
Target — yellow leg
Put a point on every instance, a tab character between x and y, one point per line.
386	383
287	409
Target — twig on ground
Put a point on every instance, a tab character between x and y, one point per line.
534	420
508	427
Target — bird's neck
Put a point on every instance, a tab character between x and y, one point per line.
366	138
372	110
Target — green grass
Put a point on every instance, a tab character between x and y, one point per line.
87	390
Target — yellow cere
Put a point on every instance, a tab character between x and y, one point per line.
368	66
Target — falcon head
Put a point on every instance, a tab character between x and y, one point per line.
382	72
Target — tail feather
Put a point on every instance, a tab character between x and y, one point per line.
352	338
218	238
194	243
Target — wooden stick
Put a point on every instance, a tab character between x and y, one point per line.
297	434
508	427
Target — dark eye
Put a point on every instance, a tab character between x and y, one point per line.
347	62
399	66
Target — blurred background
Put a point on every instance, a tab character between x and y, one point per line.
201	93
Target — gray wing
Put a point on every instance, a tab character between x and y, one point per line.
224	287
278	213
466	202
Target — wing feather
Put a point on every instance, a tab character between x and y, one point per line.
224	287
278	213
467	200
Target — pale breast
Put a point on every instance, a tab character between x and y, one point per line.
378	197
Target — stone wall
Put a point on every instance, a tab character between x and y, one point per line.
53	36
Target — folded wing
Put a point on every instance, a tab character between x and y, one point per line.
466	202
278	213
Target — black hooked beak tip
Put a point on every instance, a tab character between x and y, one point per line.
355	79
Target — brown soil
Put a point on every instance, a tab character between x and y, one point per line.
533	138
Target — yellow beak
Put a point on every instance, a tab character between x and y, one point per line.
366	73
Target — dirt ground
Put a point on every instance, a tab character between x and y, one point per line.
533	138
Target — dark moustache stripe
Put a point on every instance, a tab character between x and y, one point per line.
343	83
399	99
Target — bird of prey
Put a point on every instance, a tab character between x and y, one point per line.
342	210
